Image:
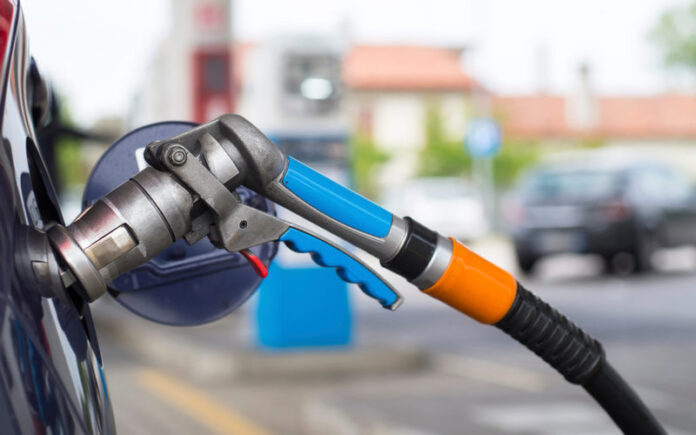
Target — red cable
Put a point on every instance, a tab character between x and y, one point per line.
260	268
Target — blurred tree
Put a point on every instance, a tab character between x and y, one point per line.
675	34
71	169
513	158
62	145
441	157
367	159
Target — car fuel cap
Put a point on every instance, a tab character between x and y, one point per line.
183	285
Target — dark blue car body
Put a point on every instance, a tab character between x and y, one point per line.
51	379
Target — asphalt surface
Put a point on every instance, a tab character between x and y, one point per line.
479	381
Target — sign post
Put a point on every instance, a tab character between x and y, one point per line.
482	141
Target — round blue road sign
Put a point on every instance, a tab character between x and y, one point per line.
483	138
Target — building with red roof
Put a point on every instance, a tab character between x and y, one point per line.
389	90
667	117
409	68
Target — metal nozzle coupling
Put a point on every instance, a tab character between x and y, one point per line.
124	229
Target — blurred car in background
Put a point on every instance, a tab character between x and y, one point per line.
446	203
602	207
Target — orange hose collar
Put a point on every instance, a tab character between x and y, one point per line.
475	286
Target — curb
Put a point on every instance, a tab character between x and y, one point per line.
323	418
183	354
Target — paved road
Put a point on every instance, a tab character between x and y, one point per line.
481	382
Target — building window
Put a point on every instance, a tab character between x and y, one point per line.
311	84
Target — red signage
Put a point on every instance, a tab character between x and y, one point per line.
210	16
212	78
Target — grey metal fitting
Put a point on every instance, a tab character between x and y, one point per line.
36	264
234	150
124	229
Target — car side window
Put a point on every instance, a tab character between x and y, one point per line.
647	185
660	186
679	187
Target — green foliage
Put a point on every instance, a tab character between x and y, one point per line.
367	160
442	157
514	157
675	34
72	170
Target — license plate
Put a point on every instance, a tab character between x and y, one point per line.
559	241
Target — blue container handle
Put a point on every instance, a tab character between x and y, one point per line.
347	266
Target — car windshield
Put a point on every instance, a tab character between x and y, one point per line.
568	186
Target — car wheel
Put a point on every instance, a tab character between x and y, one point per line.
619	263
608	260
645	247
526	263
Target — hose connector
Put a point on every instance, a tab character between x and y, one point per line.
123	230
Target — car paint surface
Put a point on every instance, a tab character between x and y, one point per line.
51	379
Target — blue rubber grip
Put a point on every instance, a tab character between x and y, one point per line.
336	201
347	267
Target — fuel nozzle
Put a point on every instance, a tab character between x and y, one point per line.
123	230
189	192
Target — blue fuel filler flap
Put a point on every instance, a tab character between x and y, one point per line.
184	285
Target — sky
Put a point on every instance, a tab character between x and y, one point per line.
96	52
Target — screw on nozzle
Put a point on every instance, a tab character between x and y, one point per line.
177	155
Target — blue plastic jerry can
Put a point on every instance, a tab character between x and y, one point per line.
303	307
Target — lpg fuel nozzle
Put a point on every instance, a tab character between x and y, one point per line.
189	192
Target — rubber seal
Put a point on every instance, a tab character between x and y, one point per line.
416	252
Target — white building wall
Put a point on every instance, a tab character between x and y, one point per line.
398	126
167	91
454	113
398	122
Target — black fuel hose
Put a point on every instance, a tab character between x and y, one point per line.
491	295
622	404
579	358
